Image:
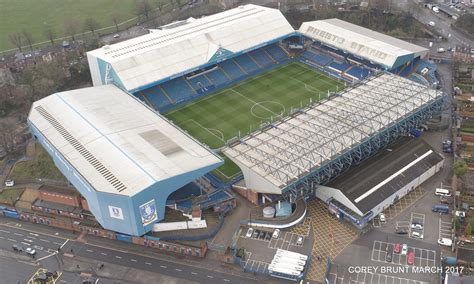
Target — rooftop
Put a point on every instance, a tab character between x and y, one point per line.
379	177
288	150
360	41
116	143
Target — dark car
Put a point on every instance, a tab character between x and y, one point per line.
446	200
17	248
261	235
268	236
388	256
401	231
255	234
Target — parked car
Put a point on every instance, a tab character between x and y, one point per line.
446	200
401	231
276	233
404	249
268	236
9	183
261	235
411	258
417	235
299	241
388	257
249	233
255	234
396	248
445	242
30	251
431	23
416	226
382	217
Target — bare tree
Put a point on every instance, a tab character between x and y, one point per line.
143	8
91	24
29	38
7	136
16	39
116	19
71	27
50	33
160	4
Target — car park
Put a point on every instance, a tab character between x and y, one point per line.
276	233
445	242
416	226
401	231
404	249
30	251
411	258
396	248
417	235
249	233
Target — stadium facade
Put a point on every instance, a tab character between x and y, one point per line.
113	145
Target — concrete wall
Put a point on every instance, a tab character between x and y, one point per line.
94	69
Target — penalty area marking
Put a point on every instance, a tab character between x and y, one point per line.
209	130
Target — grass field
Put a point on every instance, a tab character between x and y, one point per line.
34	15
242	108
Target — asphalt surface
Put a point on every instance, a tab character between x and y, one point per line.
47	255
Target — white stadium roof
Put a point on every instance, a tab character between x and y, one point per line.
116	143
362	42
280	154
164	53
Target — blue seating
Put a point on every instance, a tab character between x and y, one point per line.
247	63
200	82
358	72
261	57
341	66
232	69
218	77
277	52
178	89
156	97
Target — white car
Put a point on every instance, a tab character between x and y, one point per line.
416	226
30	251
431	23
276	233
417	235
404	249
9	182
382	217
445	242
249	233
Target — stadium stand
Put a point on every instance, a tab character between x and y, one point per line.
200	83
358	72
246	63
277	52
261	57
156	97
218	78
178	89
339	66
232	69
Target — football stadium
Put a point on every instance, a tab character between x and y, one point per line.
239	98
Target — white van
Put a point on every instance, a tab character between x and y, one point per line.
445	242
442	192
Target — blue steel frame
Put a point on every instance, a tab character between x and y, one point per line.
355	155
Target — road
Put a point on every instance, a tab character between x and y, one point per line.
46	247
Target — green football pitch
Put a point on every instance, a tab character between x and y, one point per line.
242	108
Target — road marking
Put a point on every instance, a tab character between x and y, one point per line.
18	234
134	260
119	257
226	280
147	263
59	244
12	240
209	276
46	241
177	269
26	244
8	232
89	250
63	244
193	273
28	240
103	253
162	266
40	259
33	234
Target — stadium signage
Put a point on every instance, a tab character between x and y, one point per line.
116	212
340	41
148	212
